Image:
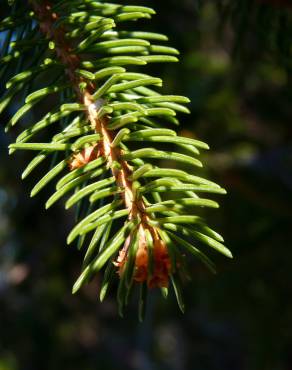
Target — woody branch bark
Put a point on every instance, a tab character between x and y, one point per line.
47	17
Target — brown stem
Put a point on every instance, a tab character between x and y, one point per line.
47	17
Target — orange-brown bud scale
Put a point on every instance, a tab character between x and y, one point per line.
161	262
85	156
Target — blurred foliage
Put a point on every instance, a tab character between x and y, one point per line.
241	90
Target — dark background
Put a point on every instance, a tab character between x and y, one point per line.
236	68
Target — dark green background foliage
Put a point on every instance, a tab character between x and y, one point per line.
235	67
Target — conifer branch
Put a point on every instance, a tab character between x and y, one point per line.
106	111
